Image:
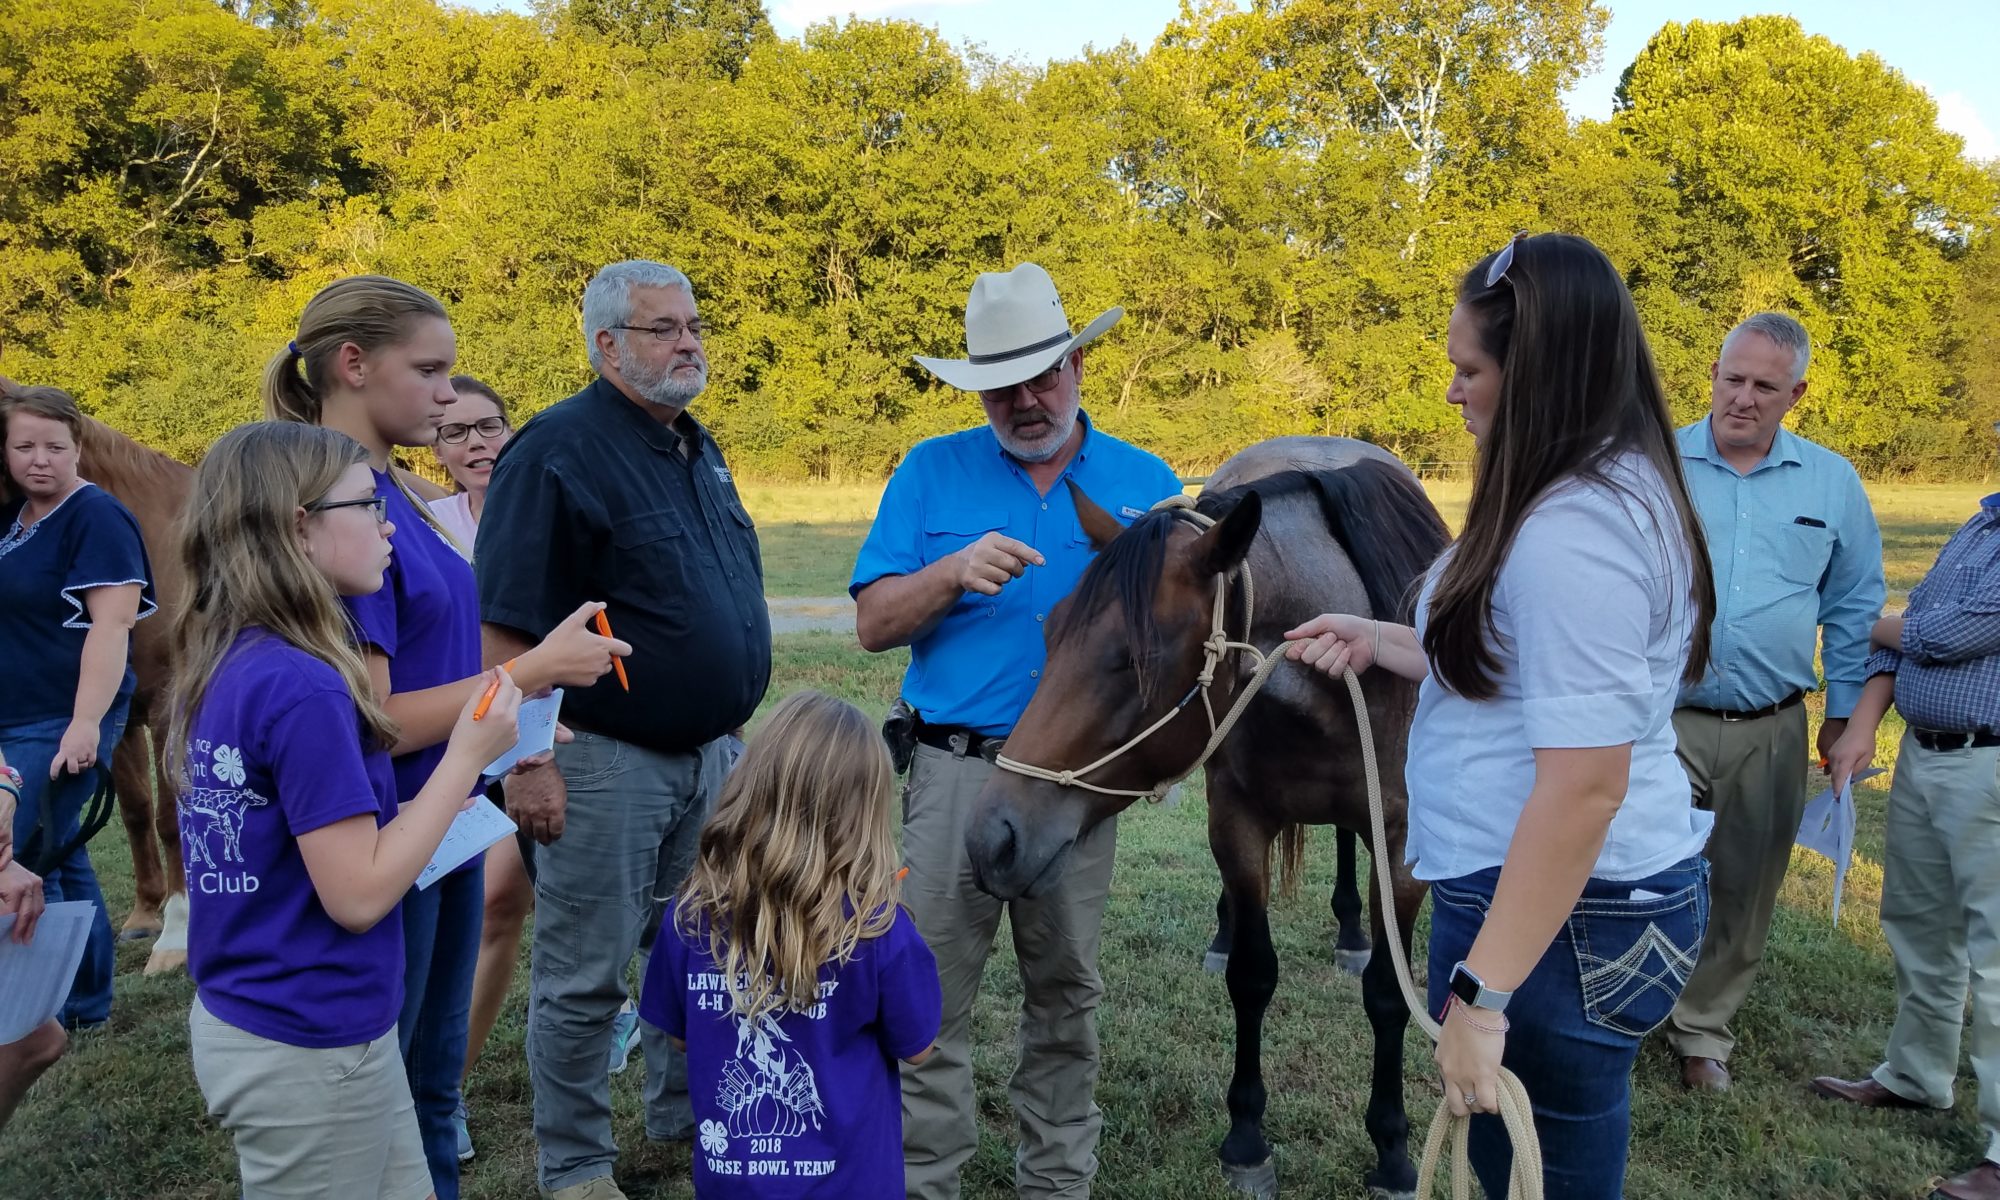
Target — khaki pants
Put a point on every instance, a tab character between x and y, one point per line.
1941	916
334	1124
1055	939
1752	776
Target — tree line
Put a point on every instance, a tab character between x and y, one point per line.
1282	199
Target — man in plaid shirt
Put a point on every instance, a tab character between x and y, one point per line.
1940	663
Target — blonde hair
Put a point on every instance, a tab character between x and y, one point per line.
797	864
238	546
368	311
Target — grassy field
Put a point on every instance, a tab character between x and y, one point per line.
121	1117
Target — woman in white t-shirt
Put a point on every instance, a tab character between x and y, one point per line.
1546	806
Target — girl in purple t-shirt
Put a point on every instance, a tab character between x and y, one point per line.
297	856
372	358
792	1041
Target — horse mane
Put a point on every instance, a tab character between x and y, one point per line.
1375	510
119	464
1378	513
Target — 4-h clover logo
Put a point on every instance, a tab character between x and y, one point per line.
714	1138
229	765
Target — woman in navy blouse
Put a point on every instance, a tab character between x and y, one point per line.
73	581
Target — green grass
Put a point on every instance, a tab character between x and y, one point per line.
121	1116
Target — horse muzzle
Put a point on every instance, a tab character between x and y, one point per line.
1018	850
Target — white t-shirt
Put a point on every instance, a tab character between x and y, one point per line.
1591	626
454	512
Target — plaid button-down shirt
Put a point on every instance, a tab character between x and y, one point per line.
1948	670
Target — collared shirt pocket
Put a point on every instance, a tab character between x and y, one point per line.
949	530
1797	554
648	551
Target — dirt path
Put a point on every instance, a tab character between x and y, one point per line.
804	614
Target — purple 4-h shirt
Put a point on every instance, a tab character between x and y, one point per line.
275	751
425	619
798	1104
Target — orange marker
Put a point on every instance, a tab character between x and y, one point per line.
902	874
617	664
492	690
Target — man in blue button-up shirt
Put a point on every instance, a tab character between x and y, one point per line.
1796	552
1940	662
976	540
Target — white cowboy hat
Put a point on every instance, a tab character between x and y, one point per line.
1015	329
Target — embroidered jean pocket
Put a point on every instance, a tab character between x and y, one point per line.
1633	957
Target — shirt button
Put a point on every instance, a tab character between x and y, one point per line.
1034	674
1045	506
1038	616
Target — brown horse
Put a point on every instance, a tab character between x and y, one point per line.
156	488
1322	524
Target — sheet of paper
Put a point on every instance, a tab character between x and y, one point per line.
537	733
471	831
1827	828
39	974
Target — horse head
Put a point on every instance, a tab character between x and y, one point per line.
1127	651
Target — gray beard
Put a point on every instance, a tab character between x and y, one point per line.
1042	449
659	387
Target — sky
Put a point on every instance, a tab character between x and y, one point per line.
1947	51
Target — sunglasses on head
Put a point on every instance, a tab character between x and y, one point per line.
1503	260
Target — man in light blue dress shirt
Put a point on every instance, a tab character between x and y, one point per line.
1796	552
976	540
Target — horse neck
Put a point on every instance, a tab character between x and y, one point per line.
141	477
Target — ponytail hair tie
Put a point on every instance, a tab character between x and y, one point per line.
293	349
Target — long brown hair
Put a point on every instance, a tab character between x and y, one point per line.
238	545
797	865
1578	389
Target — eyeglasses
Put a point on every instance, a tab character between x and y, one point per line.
670	330
1040	385
1503	260
378	504
488	428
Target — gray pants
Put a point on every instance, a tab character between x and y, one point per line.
1055	941
1752	776
629	837
1941	916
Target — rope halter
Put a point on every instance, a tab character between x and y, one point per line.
1214	650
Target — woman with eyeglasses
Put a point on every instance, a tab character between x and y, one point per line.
372	359
1546	805
467	443
73	581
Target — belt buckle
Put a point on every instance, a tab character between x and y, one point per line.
1733	718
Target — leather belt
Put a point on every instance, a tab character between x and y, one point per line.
1931	739
1771	710
960	741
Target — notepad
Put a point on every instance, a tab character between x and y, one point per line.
535	733
471	832
1828	829
39	973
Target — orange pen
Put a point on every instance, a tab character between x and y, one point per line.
492	690
617	664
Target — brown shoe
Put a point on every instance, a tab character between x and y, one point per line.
1865	1092
1704	1074
1980	1183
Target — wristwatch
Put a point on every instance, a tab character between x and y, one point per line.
1470	990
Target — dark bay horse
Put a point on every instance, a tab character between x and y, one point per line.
155	487
1323	524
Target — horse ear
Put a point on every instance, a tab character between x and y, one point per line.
1224	547
1100	526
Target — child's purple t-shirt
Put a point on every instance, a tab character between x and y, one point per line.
425	619
275	751
800	1104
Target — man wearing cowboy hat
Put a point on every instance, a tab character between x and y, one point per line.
974	543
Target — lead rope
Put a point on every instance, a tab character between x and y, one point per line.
1525	1181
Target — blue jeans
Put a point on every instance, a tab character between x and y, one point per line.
1612	974
30	748
440	948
